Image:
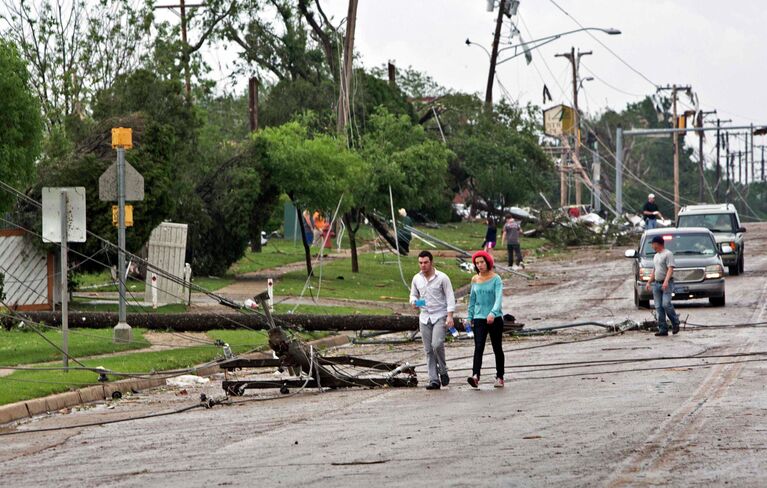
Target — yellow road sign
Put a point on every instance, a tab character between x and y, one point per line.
122	137
128	215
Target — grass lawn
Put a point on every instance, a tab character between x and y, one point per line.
82	305
93	281
277	252
87	281
378	279
283	308
23	385
26	347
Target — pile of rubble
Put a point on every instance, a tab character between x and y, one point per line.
584	228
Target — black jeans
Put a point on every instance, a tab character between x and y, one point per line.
481	331
514	249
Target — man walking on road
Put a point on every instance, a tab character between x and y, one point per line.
662	283
650	213
510	237
432	293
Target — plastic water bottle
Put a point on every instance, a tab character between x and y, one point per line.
467	328
453	331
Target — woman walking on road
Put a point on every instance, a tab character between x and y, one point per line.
486	316
490	236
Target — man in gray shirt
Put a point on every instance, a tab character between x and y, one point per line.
510	237
662	283
432	293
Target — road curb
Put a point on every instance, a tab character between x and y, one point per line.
52	403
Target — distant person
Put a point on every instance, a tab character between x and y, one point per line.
490	236
510	237
432	293
662	284
486	316
404	236
650	213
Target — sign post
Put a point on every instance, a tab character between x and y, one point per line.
64	281
64	221
121	140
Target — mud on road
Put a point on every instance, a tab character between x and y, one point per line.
700	420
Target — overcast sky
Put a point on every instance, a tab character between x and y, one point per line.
715	46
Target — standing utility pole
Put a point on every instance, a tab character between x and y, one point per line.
740	166
597	168
575	60
753	157
701	160
494	57
727	161
253	103
717	188
674	90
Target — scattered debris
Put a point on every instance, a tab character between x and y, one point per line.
186	380
313	370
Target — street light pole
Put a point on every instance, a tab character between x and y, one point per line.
522	48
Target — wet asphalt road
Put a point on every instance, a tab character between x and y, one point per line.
686	422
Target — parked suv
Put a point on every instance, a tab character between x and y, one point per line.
724	222
698	272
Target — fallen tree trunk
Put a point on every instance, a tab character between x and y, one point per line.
200	322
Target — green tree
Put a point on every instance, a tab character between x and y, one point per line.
20	124
400	156
76	48
499	158
313	170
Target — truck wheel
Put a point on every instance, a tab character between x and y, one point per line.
640	304
717	301
734	270
741	265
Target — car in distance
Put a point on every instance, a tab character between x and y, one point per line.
724	222
698	273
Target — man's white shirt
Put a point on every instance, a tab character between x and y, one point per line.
438	293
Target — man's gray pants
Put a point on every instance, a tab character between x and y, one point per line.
433	335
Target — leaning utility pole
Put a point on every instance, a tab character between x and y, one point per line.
344	105
494	57
674	90
575	60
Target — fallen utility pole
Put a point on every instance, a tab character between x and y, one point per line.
191	322
313	370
